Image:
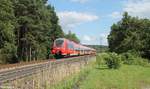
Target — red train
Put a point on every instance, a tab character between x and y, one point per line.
64	47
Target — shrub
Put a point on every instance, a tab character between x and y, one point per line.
128	58
141	61
133	59
113	61
100	58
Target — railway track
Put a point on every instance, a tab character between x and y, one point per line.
20	72
13	66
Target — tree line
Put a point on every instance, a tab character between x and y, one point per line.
28	29
130	34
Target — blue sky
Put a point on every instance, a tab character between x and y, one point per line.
91	19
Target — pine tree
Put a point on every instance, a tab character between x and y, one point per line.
37	28
7	37
27	30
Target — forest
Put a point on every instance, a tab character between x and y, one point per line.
27	30
130	34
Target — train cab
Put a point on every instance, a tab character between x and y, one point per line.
59	47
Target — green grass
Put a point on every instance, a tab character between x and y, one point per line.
65	84
127	77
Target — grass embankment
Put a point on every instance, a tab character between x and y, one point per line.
127	77
135	75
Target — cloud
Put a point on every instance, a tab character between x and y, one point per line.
100	39
140	8
103	38
80	1
87	38
70	19
116	15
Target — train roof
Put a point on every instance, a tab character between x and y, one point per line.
60	38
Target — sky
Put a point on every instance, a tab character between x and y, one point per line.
91	20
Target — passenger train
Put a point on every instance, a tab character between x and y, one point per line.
64	47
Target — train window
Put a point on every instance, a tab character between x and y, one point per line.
59	43
70	45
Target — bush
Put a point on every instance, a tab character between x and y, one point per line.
133	59
113	61
141	61
100	59
128	58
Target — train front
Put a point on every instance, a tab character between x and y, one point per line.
59	47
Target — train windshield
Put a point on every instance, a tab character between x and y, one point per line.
59	43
